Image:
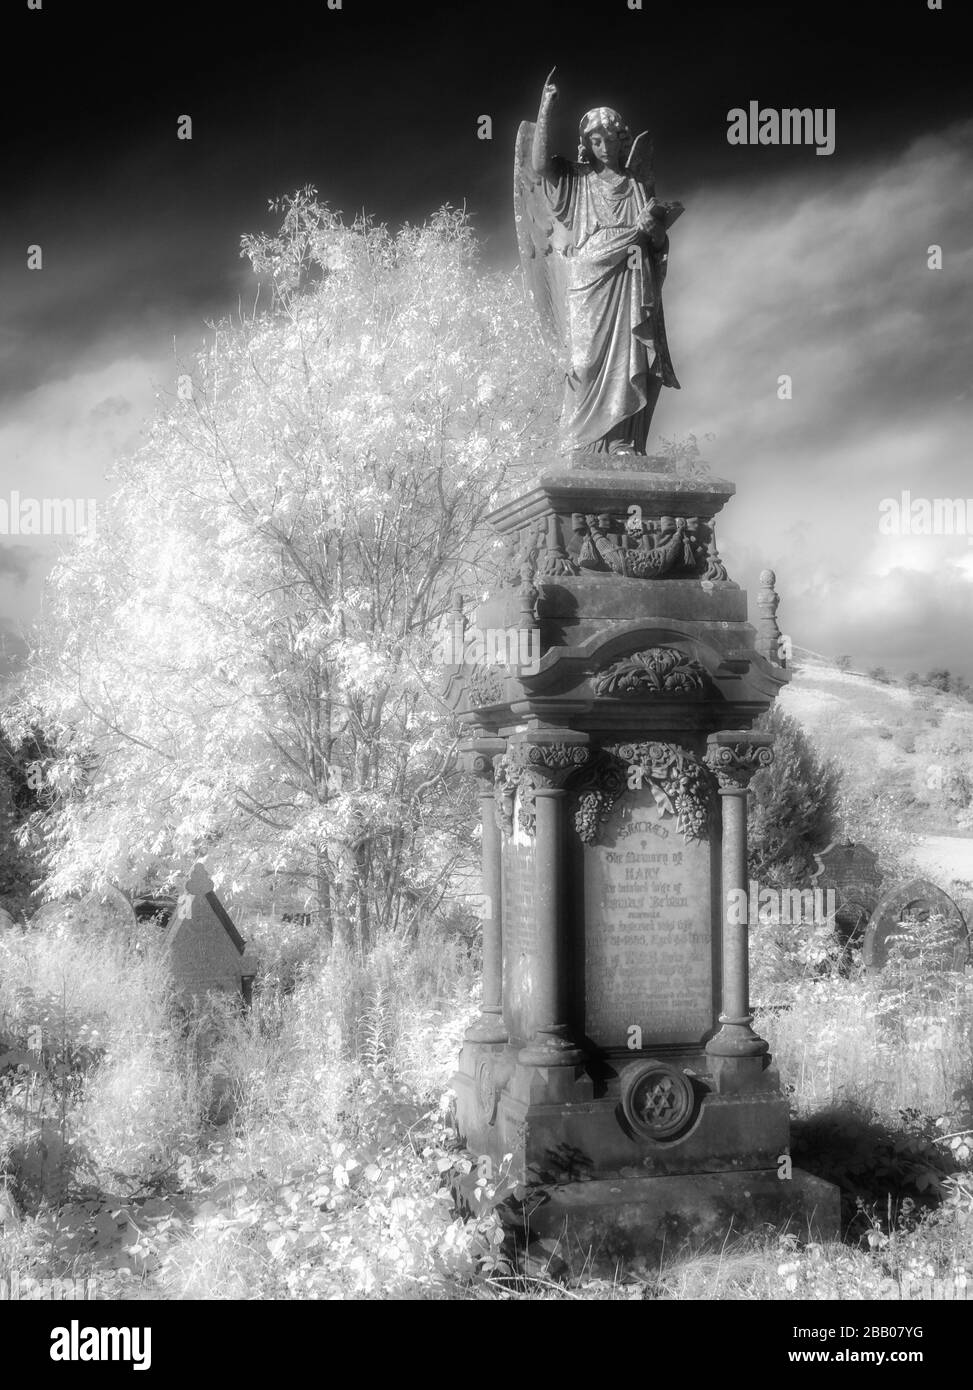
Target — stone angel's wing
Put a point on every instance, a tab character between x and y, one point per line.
541	240
641	164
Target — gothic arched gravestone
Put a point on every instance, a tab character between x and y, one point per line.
106	907
851	871
57	913
101	908
916	900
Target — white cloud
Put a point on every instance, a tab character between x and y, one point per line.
833	289
59	441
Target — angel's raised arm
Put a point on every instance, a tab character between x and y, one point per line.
542	156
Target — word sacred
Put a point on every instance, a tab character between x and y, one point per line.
789	126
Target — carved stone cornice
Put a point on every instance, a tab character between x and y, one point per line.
681	786
507	784
680	783
735	758
657	671
552	763
655	548
485	684
619	540
598	790
552	560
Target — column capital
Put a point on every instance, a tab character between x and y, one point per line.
735	755
548	762
530	766
477	755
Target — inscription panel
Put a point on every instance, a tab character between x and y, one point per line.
648	905
519	930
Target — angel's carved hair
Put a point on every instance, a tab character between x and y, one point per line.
605	119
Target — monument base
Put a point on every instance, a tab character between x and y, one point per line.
601	1193
611	1226
562	1124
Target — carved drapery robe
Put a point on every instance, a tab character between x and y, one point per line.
619	357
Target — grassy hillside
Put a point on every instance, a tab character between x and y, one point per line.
906	755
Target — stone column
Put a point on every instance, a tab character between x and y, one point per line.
734	757
489	1028
547	767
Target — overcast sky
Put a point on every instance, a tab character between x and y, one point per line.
785	261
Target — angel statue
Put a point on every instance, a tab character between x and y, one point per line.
593	245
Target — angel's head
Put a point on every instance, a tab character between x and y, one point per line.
604	138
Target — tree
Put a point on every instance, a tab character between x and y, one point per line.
249	646
793	806
26	798
938	679
843	663
879	673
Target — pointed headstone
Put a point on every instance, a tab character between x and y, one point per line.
205	950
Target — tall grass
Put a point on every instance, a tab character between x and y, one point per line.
86	1016
296	1150
901	1039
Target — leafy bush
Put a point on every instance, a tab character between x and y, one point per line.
793	806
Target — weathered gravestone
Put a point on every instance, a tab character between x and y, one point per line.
53	915
851	871
205	951
107	907
6	921
900	915
101	909
615	1057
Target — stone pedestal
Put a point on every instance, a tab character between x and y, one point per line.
619	1066
617	1225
